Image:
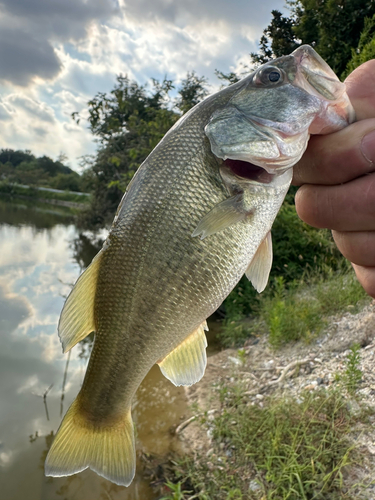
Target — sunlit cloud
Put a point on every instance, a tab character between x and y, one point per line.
55	56
6	458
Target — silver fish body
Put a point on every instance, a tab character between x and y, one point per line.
195	218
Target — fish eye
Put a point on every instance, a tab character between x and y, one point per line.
274	76
269	75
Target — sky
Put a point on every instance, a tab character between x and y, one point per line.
55	55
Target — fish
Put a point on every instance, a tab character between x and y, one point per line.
195	218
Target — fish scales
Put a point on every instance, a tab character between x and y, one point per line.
145	249
195	218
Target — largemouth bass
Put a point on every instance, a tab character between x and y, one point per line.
195	218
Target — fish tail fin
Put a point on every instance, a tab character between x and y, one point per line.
79	444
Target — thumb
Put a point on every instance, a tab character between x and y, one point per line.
360	86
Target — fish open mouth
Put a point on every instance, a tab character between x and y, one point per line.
249	171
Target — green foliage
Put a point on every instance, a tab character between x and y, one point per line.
193	90
234	331
299	248
287	450
290	314
129	122
66	182
278	39
176	492
366	47
227	78
22	167
332	27
300	311
293	310
339	292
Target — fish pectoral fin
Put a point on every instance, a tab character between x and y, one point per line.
79	444
77	316
259	268
223	215
186	364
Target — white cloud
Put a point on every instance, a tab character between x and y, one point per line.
63	53
43	128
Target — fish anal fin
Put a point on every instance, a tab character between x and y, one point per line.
77	316
260	266
79	444
186	364
223	215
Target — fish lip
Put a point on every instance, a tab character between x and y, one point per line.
315	77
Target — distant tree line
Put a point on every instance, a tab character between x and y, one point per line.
22	167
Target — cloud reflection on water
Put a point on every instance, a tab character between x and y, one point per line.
36	267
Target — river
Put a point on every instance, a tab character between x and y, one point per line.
41	255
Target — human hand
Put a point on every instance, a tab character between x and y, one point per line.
337	179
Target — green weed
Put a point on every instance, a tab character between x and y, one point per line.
294	311
176	492
339	292
352	375
234	331
288	450
290	314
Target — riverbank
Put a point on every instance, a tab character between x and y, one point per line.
240	446
70	199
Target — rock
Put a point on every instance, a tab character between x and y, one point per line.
254	485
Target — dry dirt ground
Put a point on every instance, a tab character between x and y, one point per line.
291	371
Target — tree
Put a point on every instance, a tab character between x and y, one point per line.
129	122
366	47
332	27
278	39
23	167
193	90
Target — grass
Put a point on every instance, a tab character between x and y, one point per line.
296	312
288	450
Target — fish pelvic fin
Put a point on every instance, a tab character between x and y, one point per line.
77	316
79	444
223	215
186	364
259	268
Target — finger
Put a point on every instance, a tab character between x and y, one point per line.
345	207
360	89
366	276
339	157
357	246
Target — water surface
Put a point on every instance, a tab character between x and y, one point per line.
41	256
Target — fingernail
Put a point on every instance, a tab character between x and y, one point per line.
368	146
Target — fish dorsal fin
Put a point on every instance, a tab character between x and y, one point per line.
77	316
259	268
223	215
186	364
